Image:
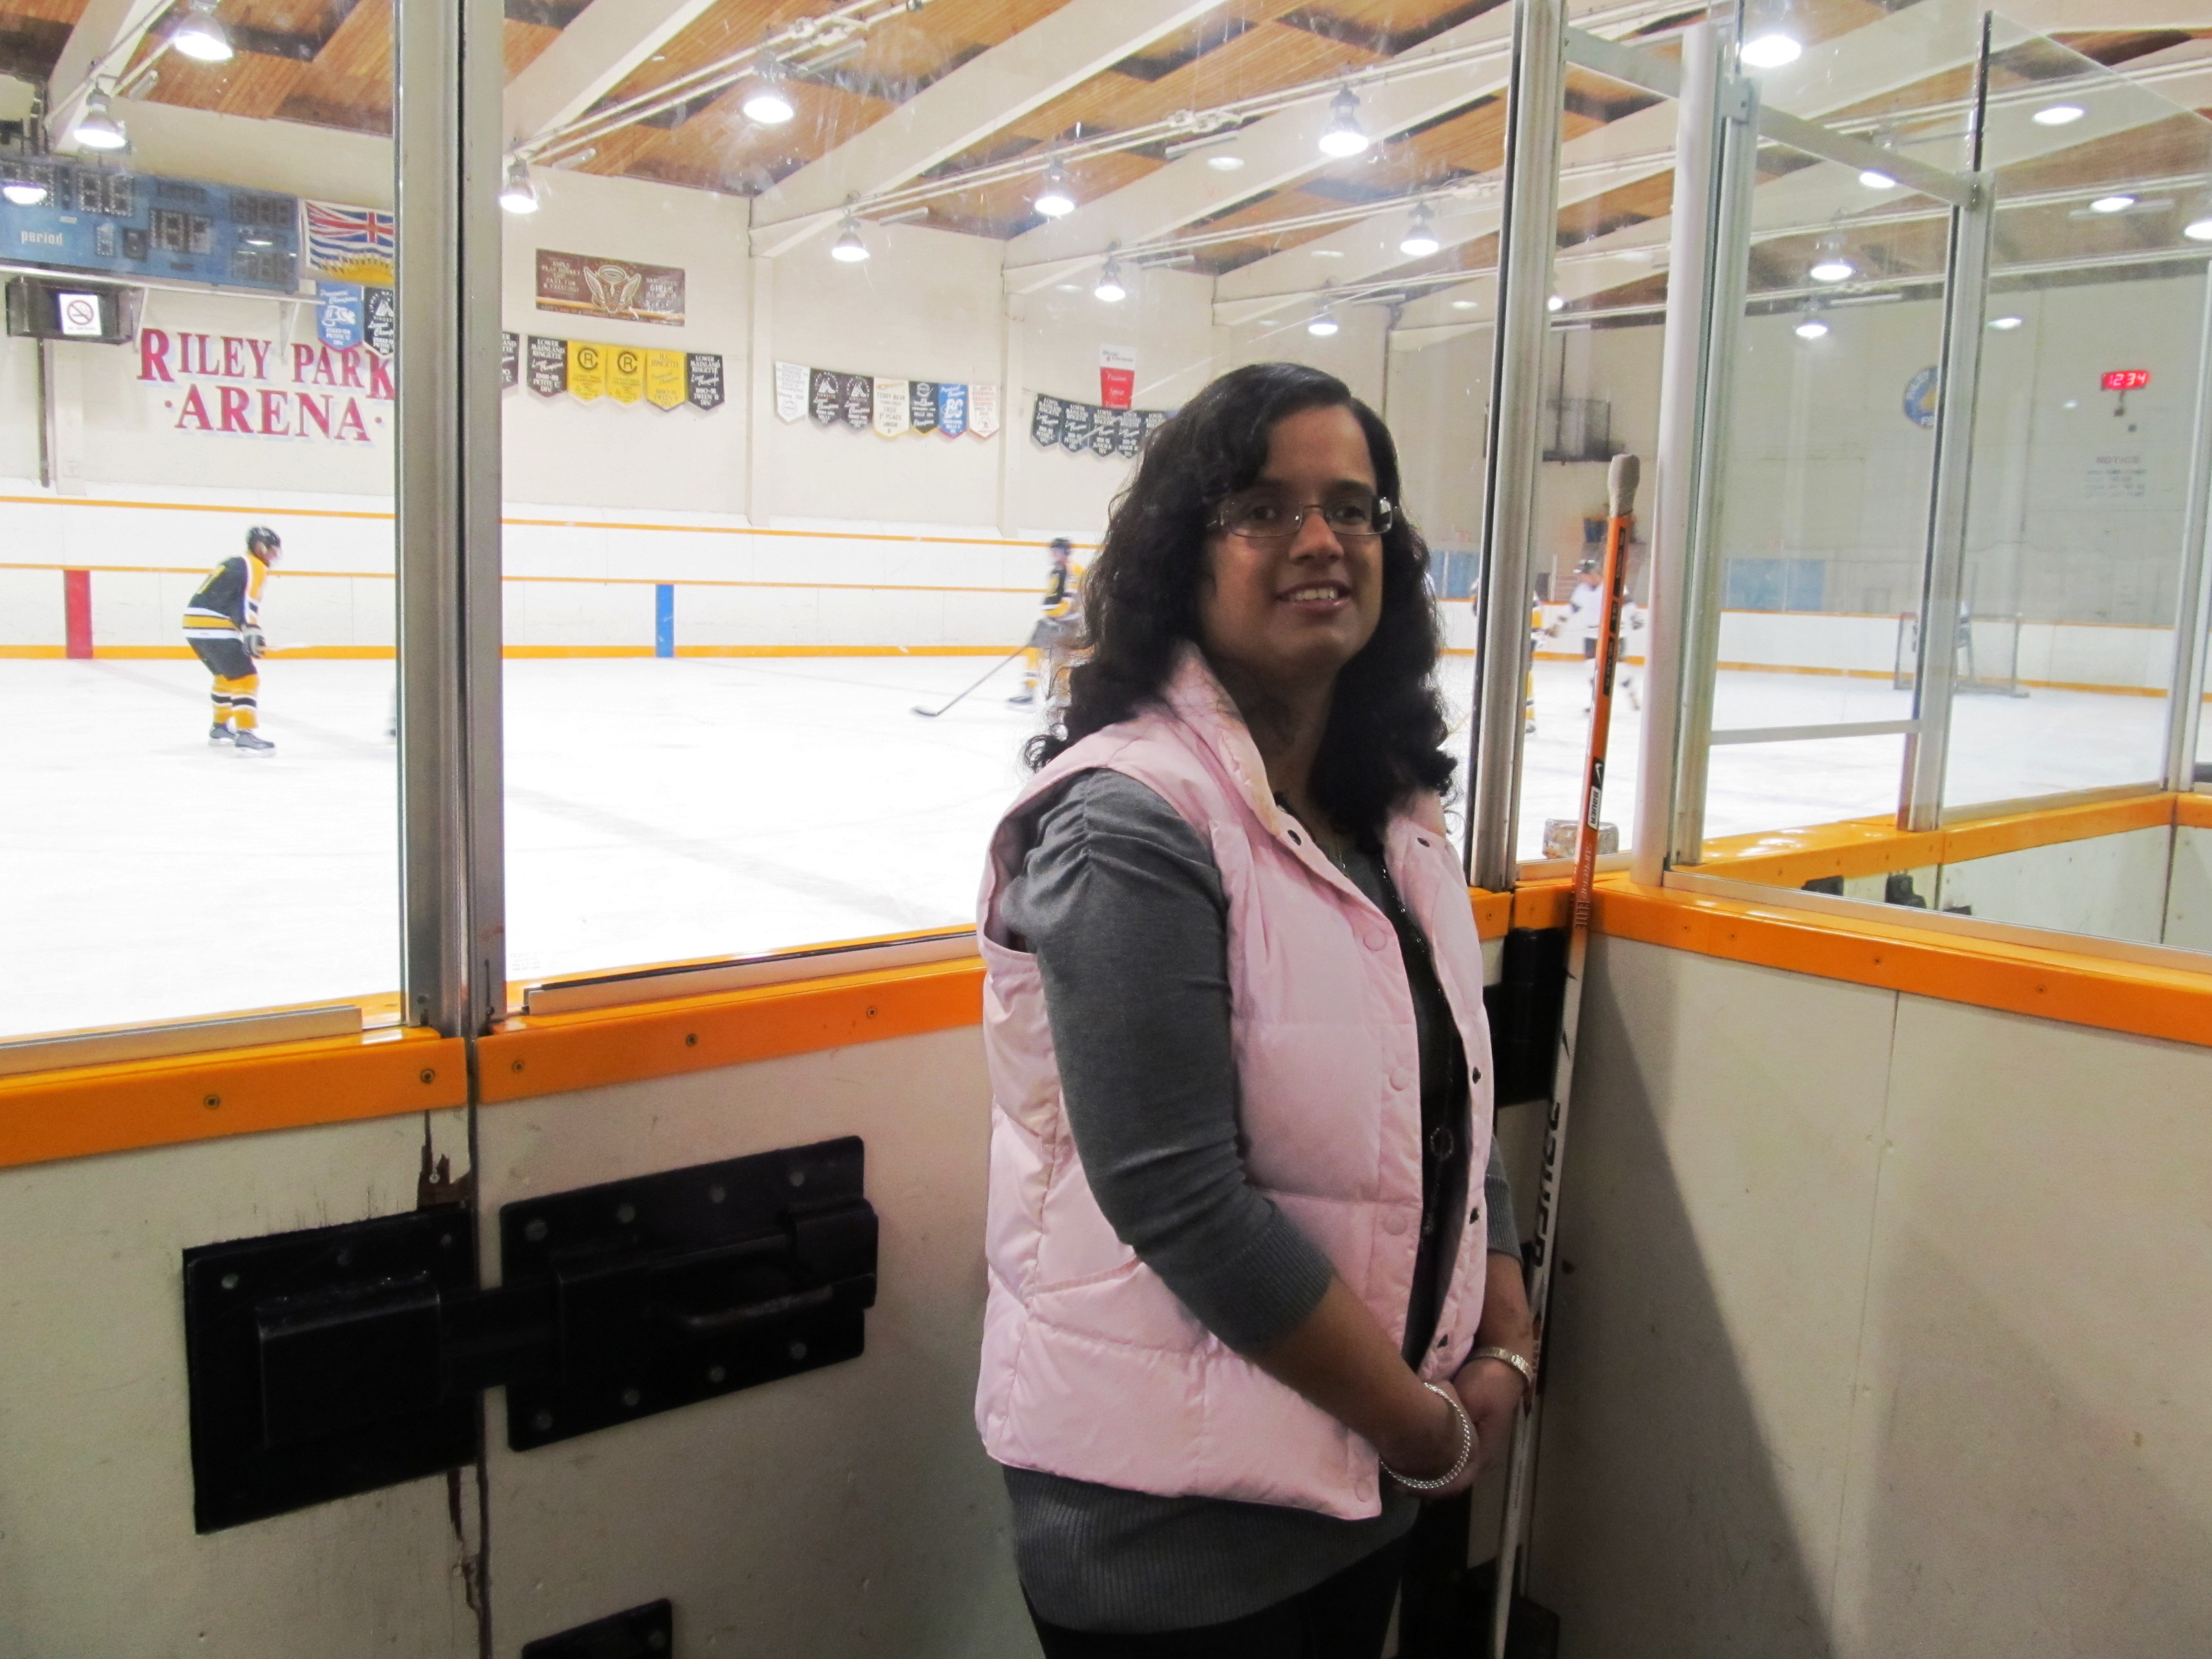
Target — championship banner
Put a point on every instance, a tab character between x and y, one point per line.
791	391
1092	428
338	314
587	370
626	373
921	404
951	408
547	366
665	381
510	361
1117	376
983	411
348	243
379	322
702	378
894	407
825	395
859	391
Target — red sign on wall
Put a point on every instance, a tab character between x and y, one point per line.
2126	379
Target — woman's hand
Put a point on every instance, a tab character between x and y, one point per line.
1491	1390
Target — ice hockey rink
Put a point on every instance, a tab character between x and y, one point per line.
661	809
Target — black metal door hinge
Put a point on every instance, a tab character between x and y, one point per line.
340	1359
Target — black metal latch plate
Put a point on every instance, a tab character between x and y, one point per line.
335	1361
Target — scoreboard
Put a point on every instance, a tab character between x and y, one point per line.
134	224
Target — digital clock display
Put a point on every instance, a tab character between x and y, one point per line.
2126	379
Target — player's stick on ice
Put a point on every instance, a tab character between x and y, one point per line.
932	714
1621	489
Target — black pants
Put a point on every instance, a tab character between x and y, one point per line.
1346	1617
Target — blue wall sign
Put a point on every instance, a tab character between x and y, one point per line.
338	318
133	224
1922	394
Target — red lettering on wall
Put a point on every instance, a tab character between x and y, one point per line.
154	355
193	414
260	350
349	367
315	411
274	422
234	360
237	408
303	359
380	379
350	425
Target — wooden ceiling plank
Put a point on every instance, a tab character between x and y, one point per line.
1079	40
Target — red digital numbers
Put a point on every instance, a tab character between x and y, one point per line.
2126	379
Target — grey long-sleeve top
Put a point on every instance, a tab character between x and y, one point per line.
1121	904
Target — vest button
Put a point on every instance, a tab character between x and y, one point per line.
1375	941
1394	1224
1400	1078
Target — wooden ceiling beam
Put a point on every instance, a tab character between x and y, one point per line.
607	40
1277	151
1082	39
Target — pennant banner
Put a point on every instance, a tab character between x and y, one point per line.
951	408
983	411
791	386
665	381
510	361
921	404
627	374
338	314
894	407
1092	428
379	321
1117	376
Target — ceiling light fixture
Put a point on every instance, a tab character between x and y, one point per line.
1345	137
2006	324
202	37
1109	287
1227	162
2199	228
1467	305
1811	326
1557	302
1420	235
848	249
517	194
1323	325
1055	199
1771	50
2058	115
1876	178
768	103
2119	202
1829	264
97	127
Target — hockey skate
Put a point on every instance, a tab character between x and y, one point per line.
252	743
218	735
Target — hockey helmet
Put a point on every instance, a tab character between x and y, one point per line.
262	535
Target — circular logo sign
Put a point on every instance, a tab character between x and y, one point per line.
1922	395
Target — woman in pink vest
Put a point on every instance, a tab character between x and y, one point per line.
1249	1302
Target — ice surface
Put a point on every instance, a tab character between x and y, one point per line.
704	806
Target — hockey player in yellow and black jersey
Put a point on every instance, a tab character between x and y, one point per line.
223	625
1057	628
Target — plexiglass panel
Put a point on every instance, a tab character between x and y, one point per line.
818	349
2085	428
197	605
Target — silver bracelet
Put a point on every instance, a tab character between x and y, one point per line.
1519	1363
1459	1463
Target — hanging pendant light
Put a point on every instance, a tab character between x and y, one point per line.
97	127
848	249
517	194
1055	199
1322	326
1829	264
1811	326
1109	287
1420	235
202	37
1345	137
767	100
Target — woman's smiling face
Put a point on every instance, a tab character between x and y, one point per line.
1288	612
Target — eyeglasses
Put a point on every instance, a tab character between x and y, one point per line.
1265	517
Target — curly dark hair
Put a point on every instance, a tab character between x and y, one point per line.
1141	598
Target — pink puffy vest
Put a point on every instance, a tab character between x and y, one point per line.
1092	1367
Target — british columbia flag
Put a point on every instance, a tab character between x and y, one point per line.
349	244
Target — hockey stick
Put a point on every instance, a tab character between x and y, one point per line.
932	714
1621	489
